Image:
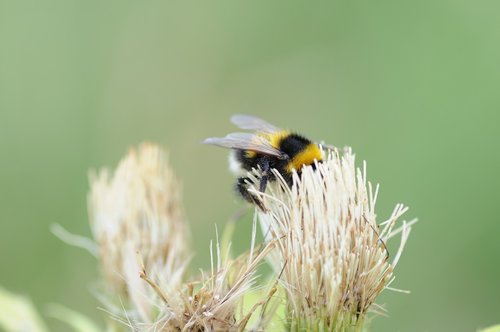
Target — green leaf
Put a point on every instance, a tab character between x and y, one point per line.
78	321
495	328
17	313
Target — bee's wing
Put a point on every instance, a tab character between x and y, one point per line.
245	141
253	123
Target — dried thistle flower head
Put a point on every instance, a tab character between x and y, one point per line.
328	243
137	220
215	301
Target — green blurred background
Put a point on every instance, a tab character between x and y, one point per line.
412	86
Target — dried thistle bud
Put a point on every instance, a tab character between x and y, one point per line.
328	243
138	222
214	301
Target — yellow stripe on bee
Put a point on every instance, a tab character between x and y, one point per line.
273	138
250	154
305	157
276	138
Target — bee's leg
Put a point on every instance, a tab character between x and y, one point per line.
242	188
265	175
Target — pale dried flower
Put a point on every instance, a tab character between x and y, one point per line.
330	249
137	221
214	302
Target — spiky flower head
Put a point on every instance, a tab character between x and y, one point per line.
214	302
329	246
137	221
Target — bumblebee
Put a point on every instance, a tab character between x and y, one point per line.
269	147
